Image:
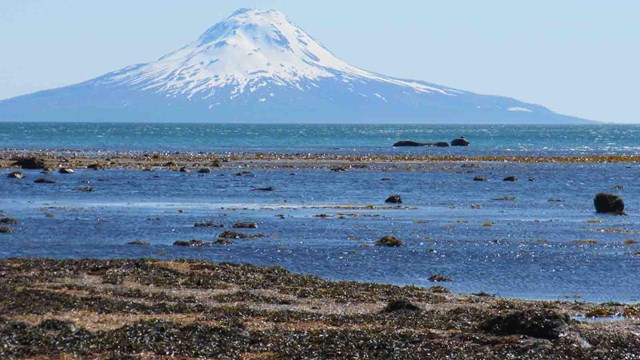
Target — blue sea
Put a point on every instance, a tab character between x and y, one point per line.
536	238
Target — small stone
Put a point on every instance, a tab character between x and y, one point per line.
510	178
390	241
439	278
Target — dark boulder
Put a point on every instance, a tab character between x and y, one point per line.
479	178
608	203
30	163
394	199
400	305
510	178
535	323
95	167
204	171
184	170
264	188
461	141
407	143
390	241
16	175
66	171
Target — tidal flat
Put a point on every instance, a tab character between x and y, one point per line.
399	257
152	309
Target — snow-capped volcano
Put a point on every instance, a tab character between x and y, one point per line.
257	66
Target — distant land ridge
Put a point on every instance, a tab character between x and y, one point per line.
258	67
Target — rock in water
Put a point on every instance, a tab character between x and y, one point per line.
538	324
394	199
16	175
608	203
44	181
405	143
461	141
510	178
389	241
66	171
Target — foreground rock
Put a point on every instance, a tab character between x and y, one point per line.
608	203
148	309
539	324
407	143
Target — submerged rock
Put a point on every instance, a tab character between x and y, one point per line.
16	175
539	324
139	243
44	181
461	141
394	199
479	178
204	171
237	235
510	178
207	224
30	163
5	230
608	203
191	243
390	241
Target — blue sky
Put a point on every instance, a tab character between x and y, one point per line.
577	57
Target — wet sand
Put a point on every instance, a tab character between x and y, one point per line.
151	309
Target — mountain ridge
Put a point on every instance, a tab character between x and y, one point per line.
257	66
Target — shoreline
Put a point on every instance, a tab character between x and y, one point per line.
151	308
175	160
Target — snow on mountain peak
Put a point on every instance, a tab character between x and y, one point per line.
248	50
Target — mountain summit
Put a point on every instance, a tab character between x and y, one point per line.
257	66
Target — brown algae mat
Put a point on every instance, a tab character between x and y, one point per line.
152	309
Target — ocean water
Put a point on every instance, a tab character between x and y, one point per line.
537	239
486	139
